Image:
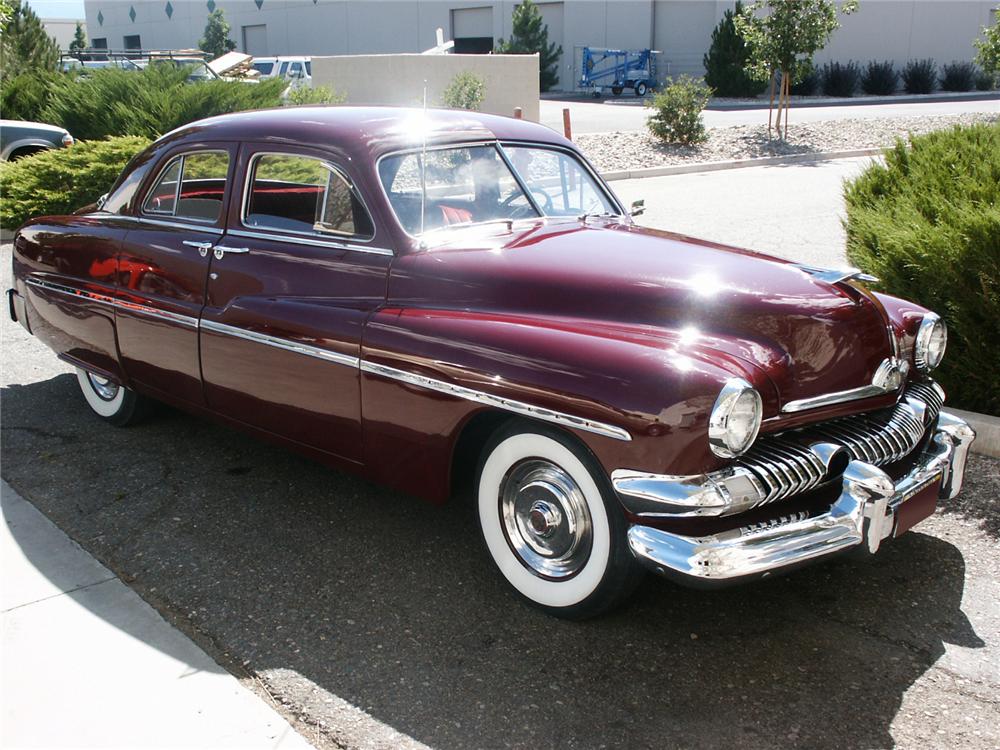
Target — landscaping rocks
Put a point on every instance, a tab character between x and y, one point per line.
638	149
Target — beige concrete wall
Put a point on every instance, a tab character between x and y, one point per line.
511	80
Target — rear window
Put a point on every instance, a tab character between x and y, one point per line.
191	186
304	195
264	68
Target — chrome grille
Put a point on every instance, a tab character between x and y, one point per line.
784	465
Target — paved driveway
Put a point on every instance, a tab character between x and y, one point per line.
597	117
793	211
320	585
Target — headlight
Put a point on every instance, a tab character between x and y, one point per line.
735	419
932	338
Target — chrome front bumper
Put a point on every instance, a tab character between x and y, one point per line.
863	516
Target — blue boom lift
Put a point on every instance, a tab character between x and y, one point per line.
618	69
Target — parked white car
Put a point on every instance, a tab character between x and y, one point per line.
294	69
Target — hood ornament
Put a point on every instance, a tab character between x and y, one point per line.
836	275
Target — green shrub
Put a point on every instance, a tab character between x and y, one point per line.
807	85
984	81
677	111
958	76
726	60
840	79
919	76
927	223
299	95
148	103
466	91
22	97
59	181
879	78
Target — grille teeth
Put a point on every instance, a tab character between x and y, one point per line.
785	466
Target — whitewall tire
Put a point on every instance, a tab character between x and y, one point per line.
112	402
551	523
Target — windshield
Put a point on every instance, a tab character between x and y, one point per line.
464	185
474	184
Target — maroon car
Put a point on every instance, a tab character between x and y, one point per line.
438	298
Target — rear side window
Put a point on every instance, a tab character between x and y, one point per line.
191	186
304	195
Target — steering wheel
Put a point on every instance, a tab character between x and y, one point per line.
540	196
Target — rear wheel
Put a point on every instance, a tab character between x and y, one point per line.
112	402
641	88
551	523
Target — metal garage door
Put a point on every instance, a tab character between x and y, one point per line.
472	30
255	40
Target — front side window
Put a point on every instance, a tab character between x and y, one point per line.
305	195
558	182
464	185
192	186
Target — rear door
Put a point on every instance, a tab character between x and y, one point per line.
301	269
163	267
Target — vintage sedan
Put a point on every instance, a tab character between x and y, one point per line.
442	300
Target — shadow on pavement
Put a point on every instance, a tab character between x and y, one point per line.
276	563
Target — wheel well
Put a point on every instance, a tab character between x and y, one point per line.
20	153
473	438
469	447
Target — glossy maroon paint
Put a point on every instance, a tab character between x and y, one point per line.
598	319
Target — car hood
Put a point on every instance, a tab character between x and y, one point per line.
763	315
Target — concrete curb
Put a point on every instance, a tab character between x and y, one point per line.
716	166
987	429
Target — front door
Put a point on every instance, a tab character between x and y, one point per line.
163	267
289	290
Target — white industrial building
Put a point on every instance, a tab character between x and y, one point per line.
897	30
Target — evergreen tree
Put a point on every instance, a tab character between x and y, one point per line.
79	43
216	41
25	46
530	35
726	59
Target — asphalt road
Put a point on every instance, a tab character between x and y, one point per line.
312	584
790	211
630	114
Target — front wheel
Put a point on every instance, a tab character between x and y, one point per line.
551	523
641	88
617	90
112	402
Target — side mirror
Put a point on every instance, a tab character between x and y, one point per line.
638	208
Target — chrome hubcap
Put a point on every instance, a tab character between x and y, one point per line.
546	519
104	388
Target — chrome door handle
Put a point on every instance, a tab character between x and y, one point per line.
203	247
221	250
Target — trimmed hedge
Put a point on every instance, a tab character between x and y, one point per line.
156	100
59	181
927	223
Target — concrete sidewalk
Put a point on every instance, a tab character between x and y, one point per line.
87	663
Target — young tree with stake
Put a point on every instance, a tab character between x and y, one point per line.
530	35
782	37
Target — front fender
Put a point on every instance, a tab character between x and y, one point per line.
652	385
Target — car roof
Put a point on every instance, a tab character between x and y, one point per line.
377	130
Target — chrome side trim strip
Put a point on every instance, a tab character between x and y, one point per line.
118	304
310	241
517	407
179	225
836	275
280	343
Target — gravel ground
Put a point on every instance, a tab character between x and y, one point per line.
314	586
637	149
